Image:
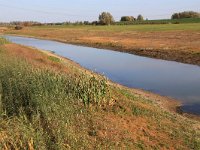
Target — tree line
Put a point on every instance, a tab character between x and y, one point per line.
105	18
131	18
185	14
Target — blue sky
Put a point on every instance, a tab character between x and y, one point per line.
80	10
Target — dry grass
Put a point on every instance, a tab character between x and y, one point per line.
35	57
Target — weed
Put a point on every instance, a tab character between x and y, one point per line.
138	111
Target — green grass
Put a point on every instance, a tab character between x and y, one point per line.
162	21
3	41
37	106
122	28
147	25
54	59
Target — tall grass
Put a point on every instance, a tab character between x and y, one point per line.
41	104
22	86
3	41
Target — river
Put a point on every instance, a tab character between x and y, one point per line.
167	78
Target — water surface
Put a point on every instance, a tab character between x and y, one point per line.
168	78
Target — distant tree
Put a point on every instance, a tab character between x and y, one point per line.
175	16
186	14
105	18
127	18
25	23
94	23
67	23
58	23
86	22
140	18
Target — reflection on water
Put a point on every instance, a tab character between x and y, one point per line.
177	80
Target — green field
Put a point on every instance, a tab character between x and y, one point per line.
162	21
127	28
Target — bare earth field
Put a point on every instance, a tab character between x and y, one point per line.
177	42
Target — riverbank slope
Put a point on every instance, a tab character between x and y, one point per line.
43	107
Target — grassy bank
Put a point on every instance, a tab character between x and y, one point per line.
48	102
177	42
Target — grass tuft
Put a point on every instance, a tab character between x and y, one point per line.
54	59
3	41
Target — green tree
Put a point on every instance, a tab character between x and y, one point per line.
175	16
105	18
140	18
127	18
186	14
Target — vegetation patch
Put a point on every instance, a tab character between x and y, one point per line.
39	97
139	111
3	41
54	59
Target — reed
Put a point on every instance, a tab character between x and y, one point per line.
43	101
3	41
